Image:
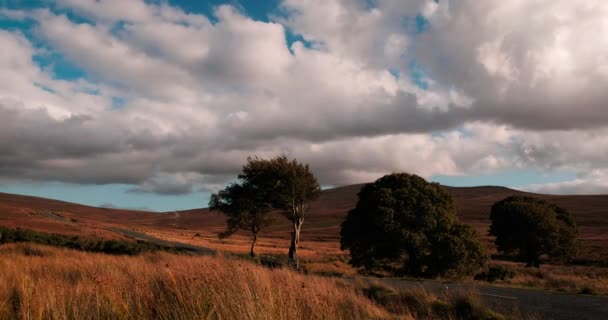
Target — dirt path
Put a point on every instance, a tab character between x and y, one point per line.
178	245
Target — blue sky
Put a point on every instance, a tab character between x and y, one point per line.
154	105
114	195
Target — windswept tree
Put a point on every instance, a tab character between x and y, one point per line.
531	228
291	187
246	207
403	224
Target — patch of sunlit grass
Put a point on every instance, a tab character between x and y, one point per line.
56	283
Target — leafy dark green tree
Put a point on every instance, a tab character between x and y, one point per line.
246	207
406	225
530	228
456	252
291	187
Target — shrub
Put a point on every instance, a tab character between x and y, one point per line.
496	272
470	307
379	292
30	251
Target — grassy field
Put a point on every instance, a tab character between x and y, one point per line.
40	282
322	223
326	258
319	251
575	279
48	283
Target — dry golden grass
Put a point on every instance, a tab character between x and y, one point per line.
326	258
40	282
577	279
317	257
456	305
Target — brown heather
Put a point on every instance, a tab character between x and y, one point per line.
326	258
38	282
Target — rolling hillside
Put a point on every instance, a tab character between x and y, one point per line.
322	224
64	217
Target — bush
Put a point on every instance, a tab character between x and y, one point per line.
470	307
30	251
496	272
379	292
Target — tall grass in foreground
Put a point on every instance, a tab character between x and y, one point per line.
566	278
38	282
458	305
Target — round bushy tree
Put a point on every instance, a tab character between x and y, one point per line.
406	225
530	228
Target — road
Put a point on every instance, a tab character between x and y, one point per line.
545	304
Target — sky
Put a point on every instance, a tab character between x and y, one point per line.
155	105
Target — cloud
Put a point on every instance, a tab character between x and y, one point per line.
535	65
523	87
594	182
168	184
180	183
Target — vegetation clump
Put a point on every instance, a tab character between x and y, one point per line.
528	229
461	305
496	272
403	224
91	244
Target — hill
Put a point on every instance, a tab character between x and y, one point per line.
322	224
55	216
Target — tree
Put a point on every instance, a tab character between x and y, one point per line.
405	225
246	208
530	228
291	187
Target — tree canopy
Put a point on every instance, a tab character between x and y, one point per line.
406	225
246	207
289	186
530	228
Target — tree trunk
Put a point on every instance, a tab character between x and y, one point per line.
295	239
255	239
